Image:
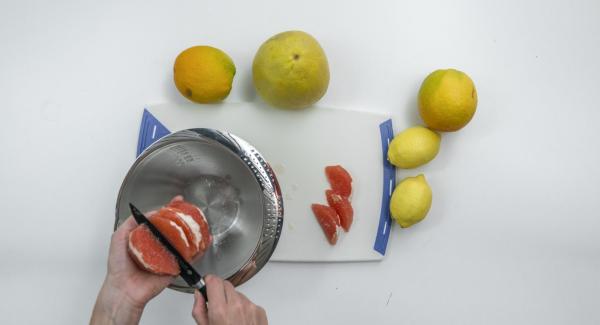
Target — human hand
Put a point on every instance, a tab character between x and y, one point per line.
226	306
126	289
124	275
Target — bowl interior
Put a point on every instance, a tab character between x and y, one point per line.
215	179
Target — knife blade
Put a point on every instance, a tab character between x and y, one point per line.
187	271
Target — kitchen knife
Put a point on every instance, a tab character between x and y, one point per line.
187	271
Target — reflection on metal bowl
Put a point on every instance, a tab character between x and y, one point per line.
229	180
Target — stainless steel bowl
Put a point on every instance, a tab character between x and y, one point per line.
229	180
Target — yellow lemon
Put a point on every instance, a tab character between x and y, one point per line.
410	201
290	70
414	147
447	100
203	74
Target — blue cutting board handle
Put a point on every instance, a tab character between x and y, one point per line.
389	183
151	130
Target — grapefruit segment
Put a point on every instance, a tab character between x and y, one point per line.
191	230
195	212
342	207
329	221
340	180
175	235
149	253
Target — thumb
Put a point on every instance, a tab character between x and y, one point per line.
199	311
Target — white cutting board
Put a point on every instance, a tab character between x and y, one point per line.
298	145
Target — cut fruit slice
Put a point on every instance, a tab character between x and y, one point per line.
329	221
198	216
190	228
150	254
342	206
340	180
175	235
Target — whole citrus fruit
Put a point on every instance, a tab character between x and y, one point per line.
414	147
203	74
290	70
410	201
447	100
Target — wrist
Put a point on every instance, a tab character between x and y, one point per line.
113	306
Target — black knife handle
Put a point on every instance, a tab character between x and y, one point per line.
187	271
202	288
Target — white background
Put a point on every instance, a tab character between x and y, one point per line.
514	232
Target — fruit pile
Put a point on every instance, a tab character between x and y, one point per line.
186	228
290	71
447	102
339	213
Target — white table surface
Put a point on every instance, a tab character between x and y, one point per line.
513	236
